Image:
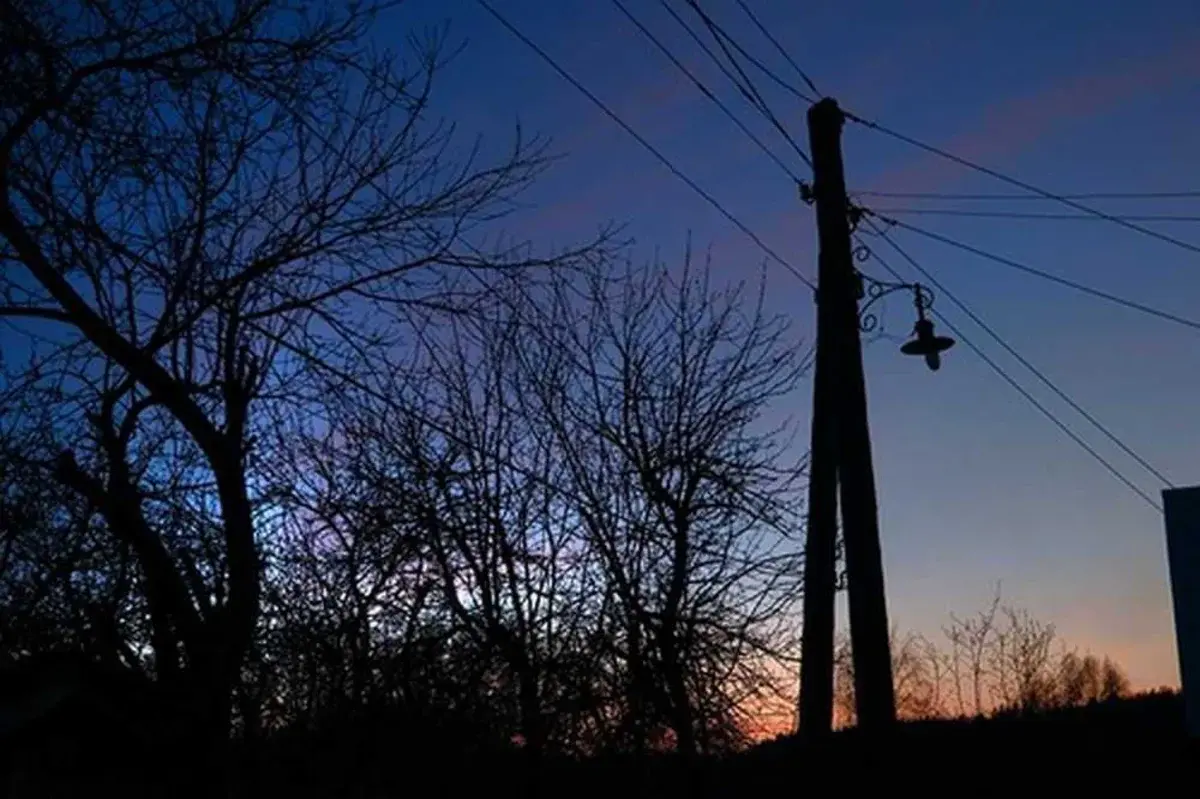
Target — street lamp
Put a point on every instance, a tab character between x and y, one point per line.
925	343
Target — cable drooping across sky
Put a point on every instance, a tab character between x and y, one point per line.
1005	197
1029	187
646	145
1032	400
743	81
706	91
974	317
1062	281
750	58
780	48
977	214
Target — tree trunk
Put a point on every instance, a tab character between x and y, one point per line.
681	707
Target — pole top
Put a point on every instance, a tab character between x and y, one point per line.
826	110
1182	494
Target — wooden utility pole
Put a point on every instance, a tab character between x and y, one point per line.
1181	512
820	542
820	566
840	406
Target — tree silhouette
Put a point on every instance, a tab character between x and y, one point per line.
1002	660
654	392
207	211
607	596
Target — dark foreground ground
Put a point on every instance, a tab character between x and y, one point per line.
1127	747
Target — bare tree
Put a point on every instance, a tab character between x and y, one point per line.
917	688
1027	657
939	668
481	483
347	605
203	208
64	583
845	706
655	389
611	595
1002	659
971	641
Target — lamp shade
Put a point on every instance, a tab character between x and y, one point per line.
927	344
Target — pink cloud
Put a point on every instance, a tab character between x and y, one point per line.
659	90
1019	122
654	104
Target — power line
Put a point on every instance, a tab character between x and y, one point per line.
743	83
1078	206
747	92
717	34
962	306
770	73
706	92
746	85
1098	195
644	143
1062	281
1067	199
782	50
1032	215
1030	398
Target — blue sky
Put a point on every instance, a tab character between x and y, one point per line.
975	485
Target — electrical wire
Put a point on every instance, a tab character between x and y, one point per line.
1045	195
747	92
782	50
719	36
644	143
1029	187
707	92
750	92
747	89
974	317
1031	215
745	84
767	71
1098	195
999	370
1062	281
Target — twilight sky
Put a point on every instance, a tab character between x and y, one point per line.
975	485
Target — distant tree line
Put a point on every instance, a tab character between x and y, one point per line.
1001	660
